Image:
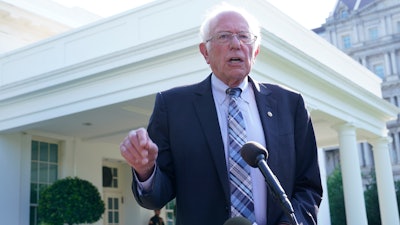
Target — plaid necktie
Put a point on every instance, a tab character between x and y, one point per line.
239	172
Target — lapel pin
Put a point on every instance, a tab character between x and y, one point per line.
269	114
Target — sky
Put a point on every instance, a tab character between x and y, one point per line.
309	13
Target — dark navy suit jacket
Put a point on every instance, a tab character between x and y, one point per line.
191	164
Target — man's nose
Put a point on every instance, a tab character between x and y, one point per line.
235	41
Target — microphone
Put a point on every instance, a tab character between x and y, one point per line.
255	155
237	221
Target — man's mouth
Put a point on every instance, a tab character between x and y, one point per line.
235	59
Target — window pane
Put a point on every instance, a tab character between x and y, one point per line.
398	26
32	215
44	153
34	171
53	152
110	217
110	203
116	216
373	33
379	70
346	41
35	150
53	173
43	177
34	192
115	203
43	173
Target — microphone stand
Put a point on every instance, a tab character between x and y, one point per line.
278	191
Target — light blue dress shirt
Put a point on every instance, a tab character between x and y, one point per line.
254	131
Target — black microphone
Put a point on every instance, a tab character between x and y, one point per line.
255	155
237	221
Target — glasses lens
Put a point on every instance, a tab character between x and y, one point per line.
225	37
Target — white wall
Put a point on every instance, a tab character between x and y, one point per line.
89	158
77	158
15	173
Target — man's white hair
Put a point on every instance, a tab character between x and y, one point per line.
225	7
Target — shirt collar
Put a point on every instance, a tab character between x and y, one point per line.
219	88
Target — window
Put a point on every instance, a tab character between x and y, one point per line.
113	206
379	70
112	192
343	14
110	177
373	33
170	212
362	155
396	101
398	26
346	41
44	172
393	149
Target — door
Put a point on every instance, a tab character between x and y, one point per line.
112	215
112	193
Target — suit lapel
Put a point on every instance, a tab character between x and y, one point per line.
267	107
205	108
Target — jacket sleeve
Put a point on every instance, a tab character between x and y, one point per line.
162	188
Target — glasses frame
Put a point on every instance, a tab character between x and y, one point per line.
218	37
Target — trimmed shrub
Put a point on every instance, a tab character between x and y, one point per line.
70	201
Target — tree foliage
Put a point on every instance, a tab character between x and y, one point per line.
336	198
70	201
372	202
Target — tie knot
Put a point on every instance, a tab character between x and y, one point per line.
233	92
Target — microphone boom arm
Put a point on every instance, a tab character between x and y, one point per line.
276	188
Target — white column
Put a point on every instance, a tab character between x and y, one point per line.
395	148
384	26
397	145
393	62
324	216
15	173
364	61
68	158
356	34
388	67
351	175
388	25
385	183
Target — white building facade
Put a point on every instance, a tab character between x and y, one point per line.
369	31
66	103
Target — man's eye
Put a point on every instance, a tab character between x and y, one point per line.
244	36
223	36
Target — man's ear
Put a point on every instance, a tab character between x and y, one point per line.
204	51
255	54
257	51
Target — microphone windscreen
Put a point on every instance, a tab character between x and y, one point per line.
251	151
237	221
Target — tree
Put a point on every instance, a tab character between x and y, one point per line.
397	187
336	198
372	201
70	201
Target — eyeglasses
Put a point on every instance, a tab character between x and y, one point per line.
225	37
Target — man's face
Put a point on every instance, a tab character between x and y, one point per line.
231	62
